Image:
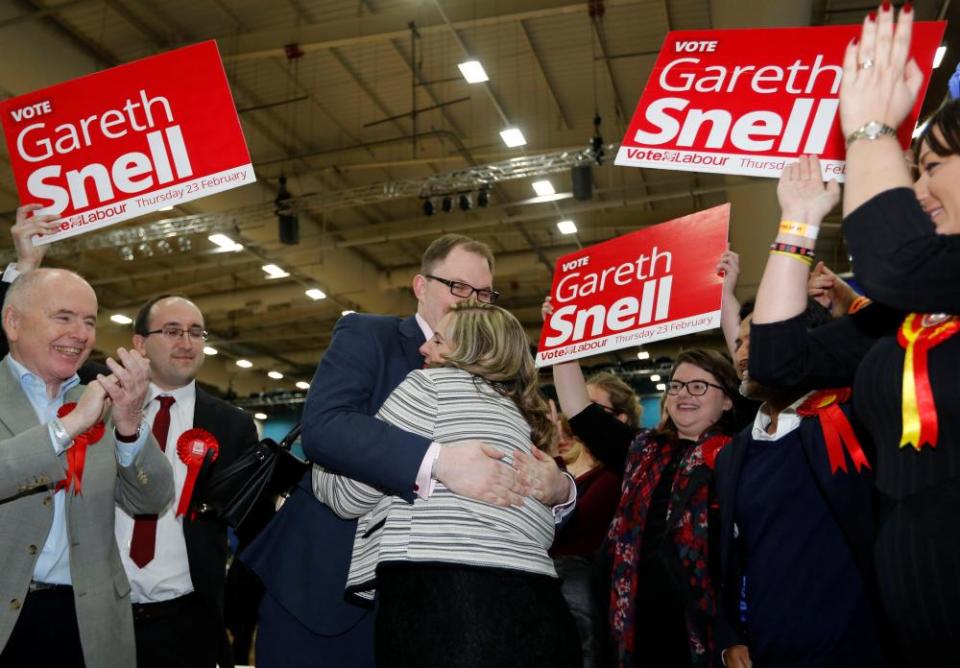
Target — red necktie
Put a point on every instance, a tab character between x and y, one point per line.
144	542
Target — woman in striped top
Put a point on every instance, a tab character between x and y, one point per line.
460	582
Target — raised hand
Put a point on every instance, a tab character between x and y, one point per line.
728	266
880	80
803	195
24	229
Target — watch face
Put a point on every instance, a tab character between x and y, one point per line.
873	128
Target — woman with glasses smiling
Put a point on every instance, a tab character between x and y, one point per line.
658	554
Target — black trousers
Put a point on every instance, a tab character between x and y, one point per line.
181	633
46	633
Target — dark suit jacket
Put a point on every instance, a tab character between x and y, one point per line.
849	496
204	534
303	555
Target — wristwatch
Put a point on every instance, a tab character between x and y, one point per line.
60	433
872	130
132	438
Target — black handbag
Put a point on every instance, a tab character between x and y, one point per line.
243	493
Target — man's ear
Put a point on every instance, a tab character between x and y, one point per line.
139	344
419	285
11	322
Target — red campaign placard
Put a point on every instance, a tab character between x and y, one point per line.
658	283
129	140
750	101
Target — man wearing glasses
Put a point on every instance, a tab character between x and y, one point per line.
176	564
303	555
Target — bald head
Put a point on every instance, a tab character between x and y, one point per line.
50	317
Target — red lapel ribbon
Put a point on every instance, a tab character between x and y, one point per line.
919	411
77	452
192	447
837	431
712	447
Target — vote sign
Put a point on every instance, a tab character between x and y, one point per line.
126	141
654	284
750	101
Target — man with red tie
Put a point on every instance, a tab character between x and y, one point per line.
176	562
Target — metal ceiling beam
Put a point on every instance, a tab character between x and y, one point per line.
387	25
543	71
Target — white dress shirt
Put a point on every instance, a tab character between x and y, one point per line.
167	576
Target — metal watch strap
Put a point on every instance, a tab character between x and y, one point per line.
872	130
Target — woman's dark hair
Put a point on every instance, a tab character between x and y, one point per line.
719	366
946	141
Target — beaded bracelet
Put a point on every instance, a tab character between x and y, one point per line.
793	248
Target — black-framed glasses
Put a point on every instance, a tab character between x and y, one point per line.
173	332
465	290
696	388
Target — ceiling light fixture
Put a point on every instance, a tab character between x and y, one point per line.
273	271
244	364
543	188
120	319
260	416
938	56
567	227
473	71
303	385
513	137
210	350
225	243
276	375
315	294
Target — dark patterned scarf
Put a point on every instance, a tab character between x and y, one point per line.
687	526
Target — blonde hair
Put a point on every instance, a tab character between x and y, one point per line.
622	396
490	343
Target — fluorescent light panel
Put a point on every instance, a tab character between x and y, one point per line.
303	385
210	350
567	227
512	137
473	71
244	364
643	355
655	378
315	294
276	375
120	319
938	56
260	416
543	188
661	387
273	271
224	242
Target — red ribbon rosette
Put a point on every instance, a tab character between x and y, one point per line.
192	447
77	452
917	335
837	430
712	447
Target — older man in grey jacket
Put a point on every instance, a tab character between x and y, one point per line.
68	453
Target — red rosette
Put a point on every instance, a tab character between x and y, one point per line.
837	430
77	452
712	447
192	448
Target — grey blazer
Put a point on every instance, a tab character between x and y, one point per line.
29	469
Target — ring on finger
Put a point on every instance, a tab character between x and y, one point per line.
866	64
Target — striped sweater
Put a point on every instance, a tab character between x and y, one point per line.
445	405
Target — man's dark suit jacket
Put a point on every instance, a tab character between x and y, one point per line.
849	496
303	555
205	535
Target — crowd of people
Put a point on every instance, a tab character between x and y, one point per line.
793	506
